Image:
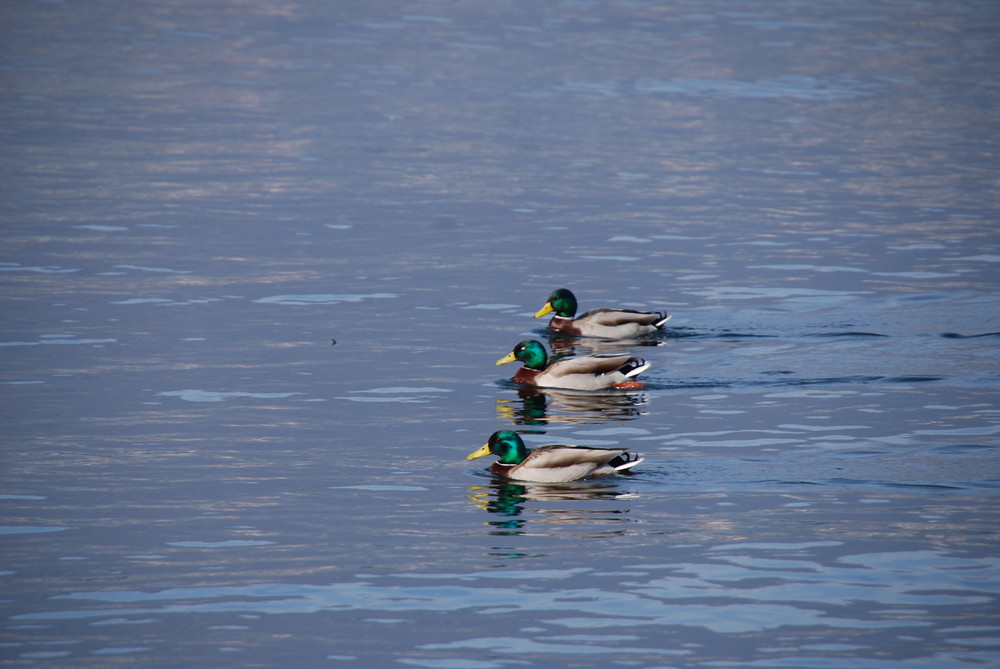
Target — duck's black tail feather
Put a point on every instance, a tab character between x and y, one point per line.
634	367
625	462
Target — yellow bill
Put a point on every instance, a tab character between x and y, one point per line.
482	451
507	358
548	308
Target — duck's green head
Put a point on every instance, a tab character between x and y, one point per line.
530	352
560	301
506	444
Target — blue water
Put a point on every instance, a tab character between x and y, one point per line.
258	262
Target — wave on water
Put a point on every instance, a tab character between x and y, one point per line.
956	335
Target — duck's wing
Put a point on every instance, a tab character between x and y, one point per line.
560	464
588	364
556	456
615	317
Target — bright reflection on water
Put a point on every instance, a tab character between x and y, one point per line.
259	259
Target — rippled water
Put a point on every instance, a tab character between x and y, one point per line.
259	260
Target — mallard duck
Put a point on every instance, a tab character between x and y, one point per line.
551	464
585	372
610	323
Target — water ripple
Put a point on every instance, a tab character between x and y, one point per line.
325	298
744	588
197	395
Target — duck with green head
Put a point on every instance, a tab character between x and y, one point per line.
555	463
585	372
607	323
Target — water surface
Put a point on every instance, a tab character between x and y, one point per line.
258	262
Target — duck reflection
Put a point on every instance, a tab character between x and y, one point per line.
562	345
514	505
539	406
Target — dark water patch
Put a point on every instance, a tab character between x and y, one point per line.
857	379
929	487
844	334
781	87
962	449
654	471
855	454
721	335
913	379
956	335
682	332
676	333
784	482
777	383
928	297
735	336
895	485
691	333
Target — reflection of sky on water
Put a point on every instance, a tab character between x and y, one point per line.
805	588
743	589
